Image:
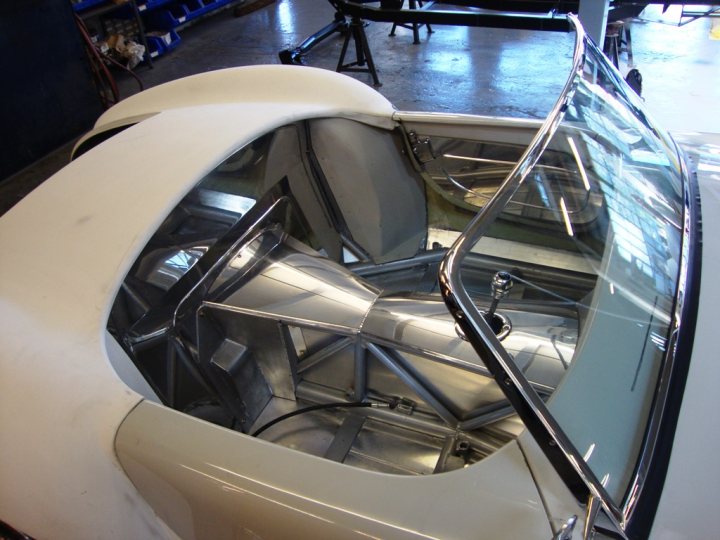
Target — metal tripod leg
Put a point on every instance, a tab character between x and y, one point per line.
415	27
362	52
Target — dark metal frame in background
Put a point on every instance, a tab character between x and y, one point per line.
548	15
350	17
690	15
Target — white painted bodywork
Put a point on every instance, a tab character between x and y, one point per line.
66	249
337	95
210	482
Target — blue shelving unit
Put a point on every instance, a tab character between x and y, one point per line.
103	9
171	15
160	18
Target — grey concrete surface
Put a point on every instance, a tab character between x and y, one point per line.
454	69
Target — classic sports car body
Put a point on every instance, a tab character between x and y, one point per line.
235	315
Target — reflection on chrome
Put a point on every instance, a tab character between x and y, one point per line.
396	293
633	243
172	265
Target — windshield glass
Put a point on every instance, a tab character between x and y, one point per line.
608	191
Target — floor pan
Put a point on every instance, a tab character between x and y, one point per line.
356	438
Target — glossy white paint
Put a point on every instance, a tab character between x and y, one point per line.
559	502
209	483
66	249
293	85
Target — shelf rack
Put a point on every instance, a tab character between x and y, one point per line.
157	21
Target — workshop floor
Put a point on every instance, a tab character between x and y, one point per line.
454	69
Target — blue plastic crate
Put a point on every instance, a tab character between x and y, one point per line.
168	17
197	8
162	44
194	8
173	15
147	5
214	4
81	5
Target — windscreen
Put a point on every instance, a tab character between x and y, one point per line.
608	190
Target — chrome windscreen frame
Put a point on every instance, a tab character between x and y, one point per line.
662	421
556	445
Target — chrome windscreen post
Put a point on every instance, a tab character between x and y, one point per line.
474	325
593	508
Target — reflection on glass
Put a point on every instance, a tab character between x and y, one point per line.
174	266
608	190
217	203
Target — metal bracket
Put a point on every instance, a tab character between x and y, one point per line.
566	531
405	406
421	147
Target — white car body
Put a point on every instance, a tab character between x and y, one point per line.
70	466
66	387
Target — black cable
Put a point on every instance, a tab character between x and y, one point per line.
103	77
337	405
126	69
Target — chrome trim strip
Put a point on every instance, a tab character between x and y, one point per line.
465	119
555	444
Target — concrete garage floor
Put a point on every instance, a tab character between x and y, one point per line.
455	69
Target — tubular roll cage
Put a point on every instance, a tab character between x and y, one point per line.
622	520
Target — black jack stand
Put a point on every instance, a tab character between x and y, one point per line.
413	4
356	31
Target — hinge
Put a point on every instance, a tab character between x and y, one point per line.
421	147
